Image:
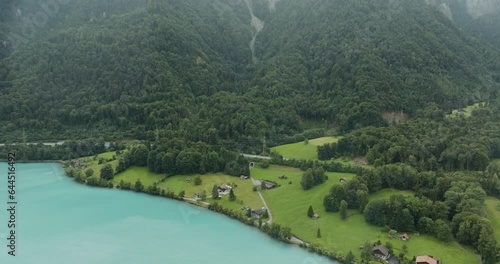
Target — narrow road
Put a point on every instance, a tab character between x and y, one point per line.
298	241
51	144
251	156
196	200
255	156
257	183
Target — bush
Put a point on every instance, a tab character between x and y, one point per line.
198	181
138	186
89	172
107	172
264	164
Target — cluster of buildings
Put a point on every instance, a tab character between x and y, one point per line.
381	252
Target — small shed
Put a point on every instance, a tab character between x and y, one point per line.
269	185
426	260
315	216
404	237
342	180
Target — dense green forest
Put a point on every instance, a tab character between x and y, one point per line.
429	142
481	18
184	69
181	77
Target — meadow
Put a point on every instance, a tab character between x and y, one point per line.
492	206
301	150
244	193
289	203
93	161
468	111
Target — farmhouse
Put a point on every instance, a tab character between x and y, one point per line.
223	188
258	212
426	260
269	185
381	252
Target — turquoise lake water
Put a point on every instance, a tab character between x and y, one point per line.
60	221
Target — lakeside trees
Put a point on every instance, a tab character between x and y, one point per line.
107	172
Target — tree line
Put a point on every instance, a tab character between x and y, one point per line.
440	198
429	142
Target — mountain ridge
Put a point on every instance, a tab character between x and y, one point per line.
162	66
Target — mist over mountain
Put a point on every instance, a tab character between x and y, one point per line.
480	17
245	71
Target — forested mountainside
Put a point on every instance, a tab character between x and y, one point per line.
143	69
479	17
358	58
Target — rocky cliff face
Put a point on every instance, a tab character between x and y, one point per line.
478	8
480	17
474	8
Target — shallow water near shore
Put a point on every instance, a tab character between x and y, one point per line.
60	221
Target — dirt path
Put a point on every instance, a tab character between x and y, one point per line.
195	200
257	183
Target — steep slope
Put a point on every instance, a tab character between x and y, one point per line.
347	61
185	69
95	71
480	17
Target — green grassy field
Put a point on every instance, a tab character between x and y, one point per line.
94	163
300	150
469	110
133	173
493	210
386	193
289	204
244	193
351	162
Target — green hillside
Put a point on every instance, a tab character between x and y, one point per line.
171	67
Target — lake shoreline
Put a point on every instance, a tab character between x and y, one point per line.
294	240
